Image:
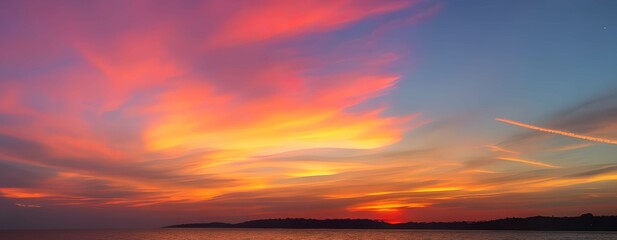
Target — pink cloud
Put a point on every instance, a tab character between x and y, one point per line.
281	19
115	91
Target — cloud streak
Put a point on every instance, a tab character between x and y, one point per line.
568	134
527	162
27	205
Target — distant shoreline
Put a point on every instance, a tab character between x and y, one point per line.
585	222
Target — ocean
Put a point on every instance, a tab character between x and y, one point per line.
295	234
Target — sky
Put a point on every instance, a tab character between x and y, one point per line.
132	114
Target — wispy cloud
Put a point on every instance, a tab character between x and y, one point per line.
27	205
500	149
527	162
569	134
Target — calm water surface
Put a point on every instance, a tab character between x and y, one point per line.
293	234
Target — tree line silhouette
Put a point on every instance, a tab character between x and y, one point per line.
585	222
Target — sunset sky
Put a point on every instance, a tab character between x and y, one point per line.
150	113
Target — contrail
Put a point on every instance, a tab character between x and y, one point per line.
569	134
528	162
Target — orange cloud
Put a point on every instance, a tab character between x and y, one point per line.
388	206
271	129
22	193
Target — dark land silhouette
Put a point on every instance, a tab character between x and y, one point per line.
585	222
